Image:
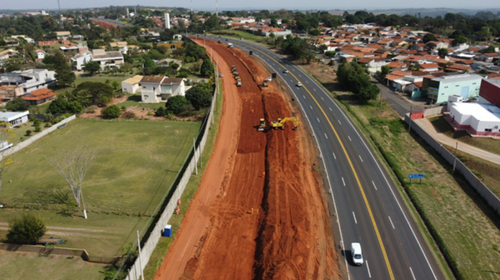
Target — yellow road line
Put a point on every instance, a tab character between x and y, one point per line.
352	168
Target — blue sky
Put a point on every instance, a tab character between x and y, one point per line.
256	4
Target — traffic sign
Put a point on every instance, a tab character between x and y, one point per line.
416	176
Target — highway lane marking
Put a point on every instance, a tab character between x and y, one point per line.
321	97
354	215
304	96
314	89
374	186
343	181
349	138
368	268
334	156
361	158
339	122
311	107
326	136
317	118
411	270
330	109
390	220
363	194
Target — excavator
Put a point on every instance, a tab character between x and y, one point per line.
281	122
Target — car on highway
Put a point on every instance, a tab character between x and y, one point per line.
357	255
299	84
285	71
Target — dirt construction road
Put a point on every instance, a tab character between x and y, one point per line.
259	212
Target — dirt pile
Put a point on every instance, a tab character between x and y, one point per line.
266	218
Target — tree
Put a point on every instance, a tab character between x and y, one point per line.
17	105
442	52
353	77
384	71
199	97
26	229
429	37
92	67
59	63
73	165
115	85
91	93
207	68
112	112
176	104
58	105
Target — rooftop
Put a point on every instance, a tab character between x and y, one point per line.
455	78
481	112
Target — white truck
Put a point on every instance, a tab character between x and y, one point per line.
229	45
238	83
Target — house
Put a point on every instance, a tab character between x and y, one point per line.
63	35
6	54
40	54
81	59
429	67
39	96
465	85
107	59
122	46
131	85
78	37
156	89
70	47
30	80
14	118
373	64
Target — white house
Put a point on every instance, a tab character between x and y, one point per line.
40	54
475	118
131	85
6	54
156	89
122	46
30	80
80	59
63	35
111	59
14	118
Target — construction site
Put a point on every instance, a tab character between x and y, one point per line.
260	211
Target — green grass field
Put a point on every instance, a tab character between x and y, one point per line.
51	267
135	165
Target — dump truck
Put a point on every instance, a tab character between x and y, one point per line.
262	125
238	83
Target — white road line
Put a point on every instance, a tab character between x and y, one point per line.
349	137
391	222
314	89
307	81
374	185
361	158
291	80
411	270
326	136
343	181
330	109
368	268
321	98
334	156
339	122
311	107
304	96
318	119
300	75
354	215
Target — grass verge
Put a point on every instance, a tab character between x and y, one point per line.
194	182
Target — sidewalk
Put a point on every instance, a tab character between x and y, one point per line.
426	125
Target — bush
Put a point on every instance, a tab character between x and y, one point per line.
112	112
176	104
28	132
26	229
129	115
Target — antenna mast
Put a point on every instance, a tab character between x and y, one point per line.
59	4
217	8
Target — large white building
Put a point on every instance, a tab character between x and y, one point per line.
155	89
30	80
475	118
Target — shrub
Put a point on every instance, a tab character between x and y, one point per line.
129	115
112	112
26	229
28	132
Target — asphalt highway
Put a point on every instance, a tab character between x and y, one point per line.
367	206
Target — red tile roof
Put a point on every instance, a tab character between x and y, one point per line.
40	94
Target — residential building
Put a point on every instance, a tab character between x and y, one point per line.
465	85
63	35
131	85
81	59
111	59
40	54
155	89
30	80
122	46
14	118
6	54
39	96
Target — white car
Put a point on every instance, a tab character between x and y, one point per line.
286	71
220	75
357	255
269	79
299	84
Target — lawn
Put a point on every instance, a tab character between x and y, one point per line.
135	165
31	266
467	227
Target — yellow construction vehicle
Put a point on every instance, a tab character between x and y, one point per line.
281	122
262	125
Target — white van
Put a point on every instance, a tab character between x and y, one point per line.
357	255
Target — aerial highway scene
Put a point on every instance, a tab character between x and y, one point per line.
247	141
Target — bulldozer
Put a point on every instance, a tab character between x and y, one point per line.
281	122
262	125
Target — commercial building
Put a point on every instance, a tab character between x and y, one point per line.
465	85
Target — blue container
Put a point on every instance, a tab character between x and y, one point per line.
167	231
